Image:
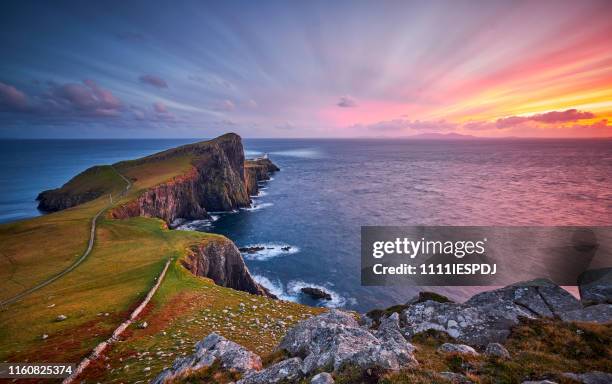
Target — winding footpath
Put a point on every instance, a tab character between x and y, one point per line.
90	244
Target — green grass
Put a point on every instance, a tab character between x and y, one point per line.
122	267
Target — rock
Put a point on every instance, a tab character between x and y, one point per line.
334	339
590	377
316	293
539	382
596	286
61	318
456	378
254	249
44	336
322	378
232	357
284	371
221	261
600	313
457	348
488	316
143	325
497	350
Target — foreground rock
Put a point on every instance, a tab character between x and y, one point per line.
497	350
488	316
334	339
316	293
221	261
283	371
232	357
322	378
596	286
590	377
457	348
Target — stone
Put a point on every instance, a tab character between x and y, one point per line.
497	350
44	336
594	377
488	316
596	286
600	313
288	370
322	378
316	293
457	348
456	378
232	356
334	339
143	325
61	318
539	382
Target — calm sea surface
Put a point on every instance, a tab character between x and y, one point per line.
327	189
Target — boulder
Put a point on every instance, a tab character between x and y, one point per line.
322	378
61	318
232	357
456	378
600	313
538	382
283	371
596	286
316	293
457	348
488	316
334	339
497	350
590	377
473	325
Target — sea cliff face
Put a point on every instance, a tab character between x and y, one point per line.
221	261
255	171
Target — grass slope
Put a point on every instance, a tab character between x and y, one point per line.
100	293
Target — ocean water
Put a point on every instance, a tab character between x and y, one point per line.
327	189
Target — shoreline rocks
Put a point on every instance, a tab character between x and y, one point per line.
316	293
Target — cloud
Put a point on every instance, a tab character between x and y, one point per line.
399	125
134	37
82	99
11	98
346	102
224	105
554	117
153	80
160	107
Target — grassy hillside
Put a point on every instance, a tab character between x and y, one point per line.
99	294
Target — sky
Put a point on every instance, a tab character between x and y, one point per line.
145	69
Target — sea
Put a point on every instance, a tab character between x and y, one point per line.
308	217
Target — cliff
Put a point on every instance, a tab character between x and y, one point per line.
221	261
255	171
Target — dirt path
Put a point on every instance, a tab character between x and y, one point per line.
90	244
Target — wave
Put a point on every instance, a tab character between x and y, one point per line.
293	291
260	193
269	251
257	207
304	153
195	225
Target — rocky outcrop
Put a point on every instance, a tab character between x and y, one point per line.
590	377
334	339
215	182
596	286
232	357
316	293
461	349
286	371
489	316
220	260
257	170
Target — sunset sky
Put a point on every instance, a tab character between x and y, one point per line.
305	69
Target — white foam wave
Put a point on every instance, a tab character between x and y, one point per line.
257	206
305	153
275	288
260	193
269	251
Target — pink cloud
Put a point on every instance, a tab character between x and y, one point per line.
346	102
554	117
87	99
154	81
160	107
12	98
